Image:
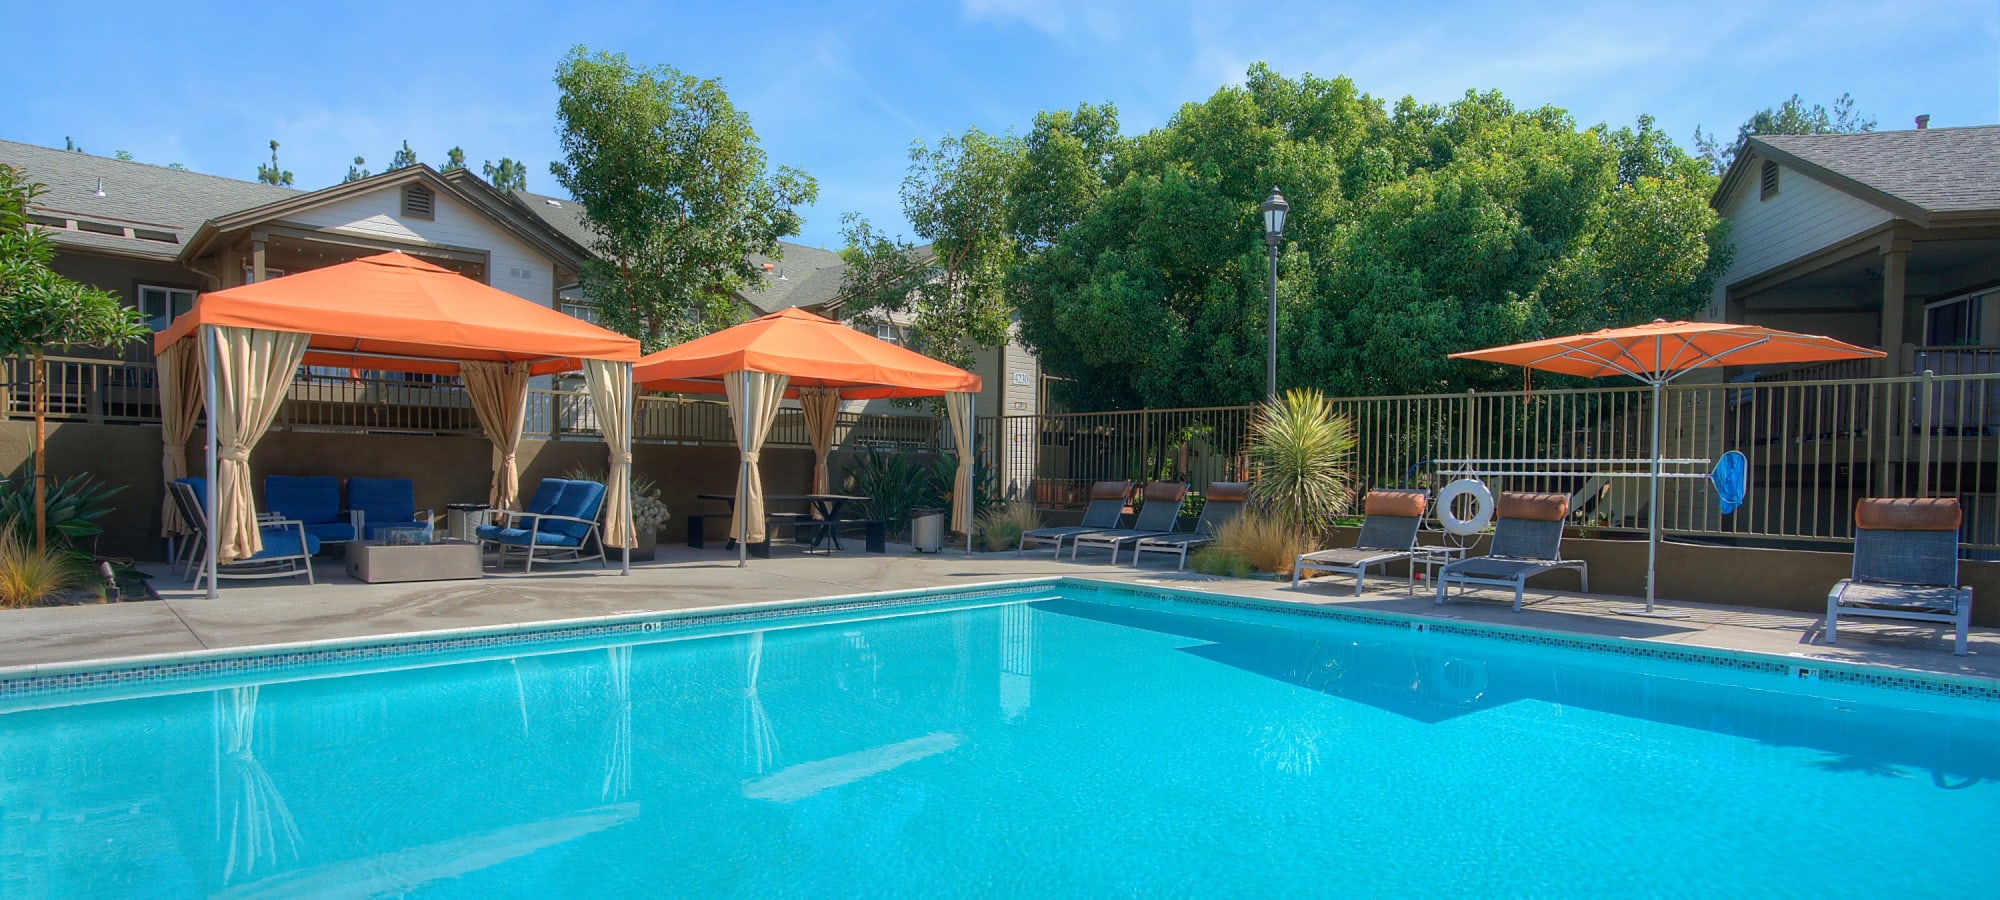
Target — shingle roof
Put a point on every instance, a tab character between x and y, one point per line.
1936	170
136	194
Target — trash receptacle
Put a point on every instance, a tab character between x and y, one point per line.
927	529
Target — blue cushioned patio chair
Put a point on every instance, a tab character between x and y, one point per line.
1220	503
1158	517
1527	541
380	503
1106	510
544	500
1905	566
565	533
313	500
288	547
1388	533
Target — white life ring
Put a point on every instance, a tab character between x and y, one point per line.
1482	507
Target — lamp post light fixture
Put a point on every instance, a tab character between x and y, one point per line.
1274	230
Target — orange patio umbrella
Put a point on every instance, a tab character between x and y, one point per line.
1659	352
778	355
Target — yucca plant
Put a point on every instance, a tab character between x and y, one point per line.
1001	526
73	507
1303	455
29	574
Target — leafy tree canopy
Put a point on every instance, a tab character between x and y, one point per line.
674	188
949	292
1790	117
1415	231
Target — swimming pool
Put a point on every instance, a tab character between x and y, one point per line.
1045	738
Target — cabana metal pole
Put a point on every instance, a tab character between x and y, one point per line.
631	399
972	427
209	351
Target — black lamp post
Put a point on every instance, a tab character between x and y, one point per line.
1274	231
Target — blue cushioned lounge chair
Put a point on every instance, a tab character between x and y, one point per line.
386	503
288	547
562	531
315	501
1905	566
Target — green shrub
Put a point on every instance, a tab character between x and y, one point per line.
74	507
29	576
1213	560
1261	541
892	486
1000	527
1303	456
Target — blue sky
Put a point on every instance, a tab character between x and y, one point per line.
841	89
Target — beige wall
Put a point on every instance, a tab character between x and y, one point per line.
445	469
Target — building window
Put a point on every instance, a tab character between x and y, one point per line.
419	202
887	332
161	305
1954	322
577	309
1768	181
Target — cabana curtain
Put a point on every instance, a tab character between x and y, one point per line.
753	406
180	405
821	406
610	385
499	394
253	373
958	405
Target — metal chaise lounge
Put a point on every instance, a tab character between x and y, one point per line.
1527	541
1905	566
1157	518
288	547
1220	503
1388	534
1107	507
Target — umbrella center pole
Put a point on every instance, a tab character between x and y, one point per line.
1653	519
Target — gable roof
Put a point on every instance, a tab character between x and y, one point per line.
138	195
1918	174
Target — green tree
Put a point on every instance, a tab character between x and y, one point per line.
356	170
404	157
453	159
39	308
1415	231
950	291
271	174
507	175
1790	117
125	155
675	192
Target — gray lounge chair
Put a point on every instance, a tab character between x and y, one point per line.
1905	566
1526	542
1107	507
1157	518
1388	534
1220	503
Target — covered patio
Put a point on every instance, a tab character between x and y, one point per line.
235	353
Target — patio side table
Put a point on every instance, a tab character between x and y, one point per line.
462	518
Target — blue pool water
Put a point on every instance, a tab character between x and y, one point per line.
1034	745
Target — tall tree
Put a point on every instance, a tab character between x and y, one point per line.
39	308
507	175
356	170
675	191
1415	230
951	291
404	157
271	174
453	159
1790	117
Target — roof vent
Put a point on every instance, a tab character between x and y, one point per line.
1768	180
100	187
419	202
1923	121
553	202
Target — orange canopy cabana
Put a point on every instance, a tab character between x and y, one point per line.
398	313
238	349
1659	352
820	362
810	351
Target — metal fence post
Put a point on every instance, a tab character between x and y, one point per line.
1924	435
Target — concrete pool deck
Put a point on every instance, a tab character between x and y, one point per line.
280	611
